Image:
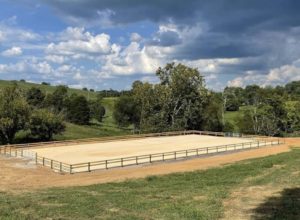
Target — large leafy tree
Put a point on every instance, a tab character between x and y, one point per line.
78	110
126	112
14	113
44	124
187	95
178	102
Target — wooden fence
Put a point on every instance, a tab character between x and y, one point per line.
116	138
24	151
149	158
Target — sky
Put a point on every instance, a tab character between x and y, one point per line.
103	44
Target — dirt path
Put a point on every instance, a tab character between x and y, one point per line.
17	174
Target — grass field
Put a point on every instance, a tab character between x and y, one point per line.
191	195
232	117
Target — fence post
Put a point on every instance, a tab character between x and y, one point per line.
175	155
150	156
60	166
136	160
43	161
186	153
51	164
163	157
121	162
106	164
207	150
89	166
71	166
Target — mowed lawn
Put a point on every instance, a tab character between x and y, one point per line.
192	195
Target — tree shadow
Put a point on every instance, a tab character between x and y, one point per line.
285	206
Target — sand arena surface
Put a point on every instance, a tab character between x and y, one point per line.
17	174
126	148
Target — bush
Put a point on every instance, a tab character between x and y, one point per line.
35	97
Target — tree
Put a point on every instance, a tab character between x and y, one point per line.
14	113
44	124
126	112
292	122
232	98
187	95
35	97
213	114
57	100
293	89
251	94
97	110
78	110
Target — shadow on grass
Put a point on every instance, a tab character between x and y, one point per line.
285	206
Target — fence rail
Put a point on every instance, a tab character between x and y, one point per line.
24	151
123	137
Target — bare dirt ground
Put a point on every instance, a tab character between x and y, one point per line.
21	175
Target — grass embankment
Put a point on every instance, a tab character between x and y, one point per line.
193	195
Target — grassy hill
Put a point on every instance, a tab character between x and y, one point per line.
45	88
106	128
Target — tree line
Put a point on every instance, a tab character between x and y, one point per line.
181	101
44	115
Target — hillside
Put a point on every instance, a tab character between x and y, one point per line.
106	128
45	88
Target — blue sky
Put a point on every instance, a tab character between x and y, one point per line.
104	44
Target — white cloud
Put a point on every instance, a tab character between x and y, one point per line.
14	51
2	36
276	76
81	42
14	34
135	37
56	59
133	59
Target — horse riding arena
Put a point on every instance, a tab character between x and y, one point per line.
106	153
